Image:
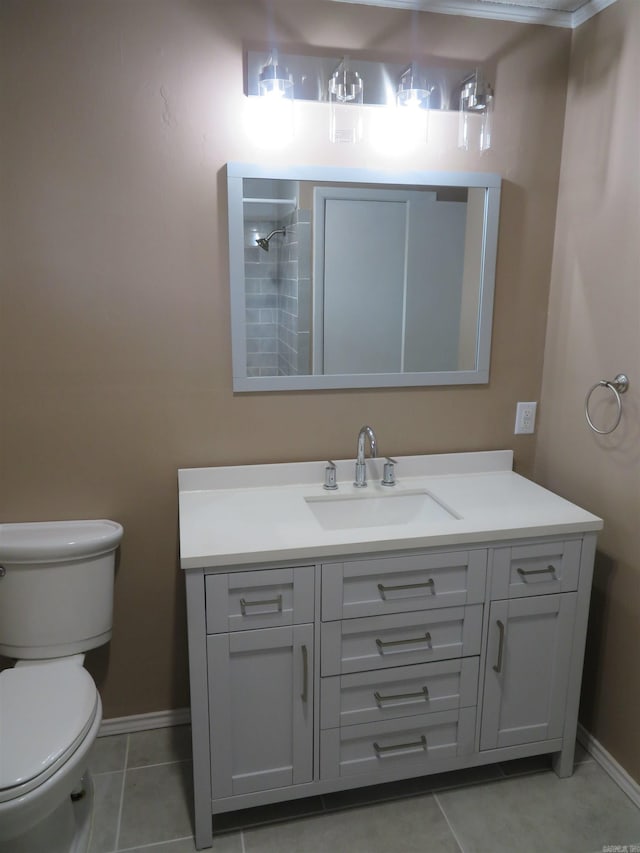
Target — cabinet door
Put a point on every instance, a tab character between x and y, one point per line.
527	669
261	709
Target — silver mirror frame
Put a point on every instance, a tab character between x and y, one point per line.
237	172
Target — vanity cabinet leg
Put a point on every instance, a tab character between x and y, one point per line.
563	761
197	632
203	831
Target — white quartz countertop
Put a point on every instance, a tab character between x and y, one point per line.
241	515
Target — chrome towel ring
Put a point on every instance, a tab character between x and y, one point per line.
617	386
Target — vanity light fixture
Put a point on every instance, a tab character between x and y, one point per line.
406	91
346	96
475	112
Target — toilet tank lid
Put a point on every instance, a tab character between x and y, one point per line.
45	711
48	541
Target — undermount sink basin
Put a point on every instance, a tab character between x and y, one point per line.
341	512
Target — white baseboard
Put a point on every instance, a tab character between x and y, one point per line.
142	722
610	766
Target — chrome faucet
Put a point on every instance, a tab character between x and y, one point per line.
361	468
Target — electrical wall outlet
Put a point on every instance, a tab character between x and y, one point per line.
525	418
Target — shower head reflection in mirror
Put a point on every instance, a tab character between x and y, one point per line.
263	242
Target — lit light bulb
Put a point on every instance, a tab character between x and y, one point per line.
269	118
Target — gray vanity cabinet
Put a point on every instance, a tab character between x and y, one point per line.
370	668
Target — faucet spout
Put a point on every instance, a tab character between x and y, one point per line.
361	469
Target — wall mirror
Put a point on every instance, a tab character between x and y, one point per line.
353	278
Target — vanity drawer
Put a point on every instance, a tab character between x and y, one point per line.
546	567
400	584
240	601
404	691
411	745
378	642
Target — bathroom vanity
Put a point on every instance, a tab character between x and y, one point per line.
341	638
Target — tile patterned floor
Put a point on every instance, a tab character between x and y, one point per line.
143	794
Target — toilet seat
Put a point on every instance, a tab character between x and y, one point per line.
46	711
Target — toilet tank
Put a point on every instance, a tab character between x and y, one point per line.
56	587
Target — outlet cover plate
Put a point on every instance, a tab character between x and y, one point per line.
525	419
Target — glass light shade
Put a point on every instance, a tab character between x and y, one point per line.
412	101
417	99
271	122
276	88
487	124
475	113
275	81
413	91
346	95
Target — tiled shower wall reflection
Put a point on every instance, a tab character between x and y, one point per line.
278	299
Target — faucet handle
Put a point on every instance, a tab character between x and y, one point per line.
330	481
389	472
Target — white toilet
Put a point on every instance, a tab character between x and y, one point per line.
56	602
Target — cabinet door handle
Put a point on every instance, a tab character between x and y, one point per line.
498	666
420	694
277	601
383	590
524	573
381	644
416	744
305	674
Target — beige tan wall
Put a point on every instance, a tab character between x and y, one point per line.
117	120
593	334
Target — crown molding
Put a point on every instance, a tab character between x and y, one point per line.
588	11
497	11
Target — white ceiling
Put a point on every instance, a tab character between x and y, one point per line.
555	13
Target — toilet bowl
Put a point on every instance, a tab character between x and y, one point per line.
50	714
56	589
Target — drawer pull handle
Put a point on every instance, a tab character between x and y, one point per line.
498	666
382	589
244	604
415	744
305	674
381	644
524	573
420	694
